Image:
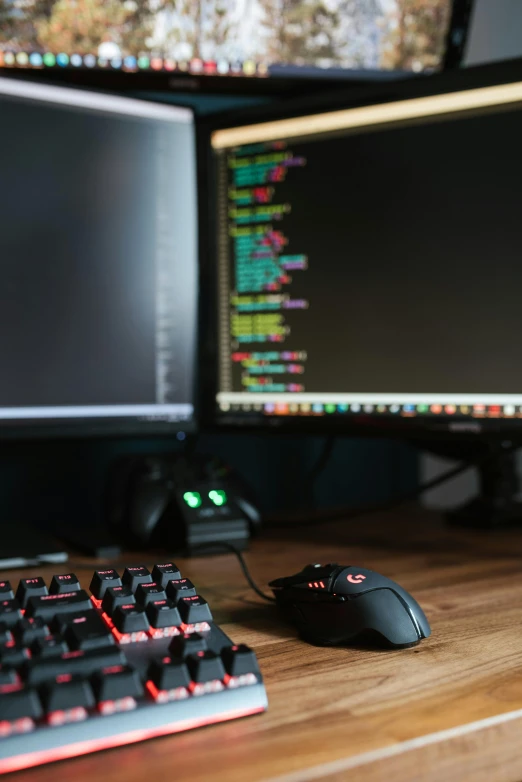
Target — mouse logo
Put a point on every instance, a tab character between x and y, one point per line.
355	579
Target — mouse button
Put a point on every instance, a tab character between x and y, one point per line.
356	580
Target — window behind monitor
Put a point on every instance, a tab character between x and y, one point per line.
240	45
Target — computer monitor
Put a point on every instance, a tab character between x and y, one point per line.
368	263
244	45
98	263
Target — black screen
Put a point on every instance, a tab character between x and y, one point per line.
377	268
98	260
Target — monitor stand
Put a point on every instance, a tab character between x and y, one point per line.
498	503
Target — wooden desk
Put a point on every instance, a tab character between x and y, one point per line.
450	709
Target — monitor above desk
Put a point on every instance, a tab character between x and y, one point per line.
450	708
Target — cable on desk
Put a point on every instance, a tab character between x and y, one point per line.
244	567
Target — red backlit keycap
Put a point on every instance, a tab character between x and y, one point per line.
205	666
194	610
47	606
88	631
51	646
102	580
115	682
35	672
239	660
67	692
148	592
134	575
8	676
67	582
180	587
28	630
30	587
162	574
188	643
20	703
10	612
168	674
5	634
130	619
163	613
116	596
14	655
6	591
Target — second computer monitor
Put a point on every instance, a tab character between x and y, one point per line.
98	261
369	264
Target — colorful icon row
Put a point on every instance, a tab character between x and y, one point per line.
283	408
131	63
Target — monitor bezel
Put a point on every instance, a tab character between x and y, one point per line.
381	425
110	427
248	86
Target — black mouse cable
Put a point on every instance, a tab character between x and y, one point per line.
240	558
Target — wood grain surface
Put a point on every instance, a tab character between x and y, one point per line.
449	709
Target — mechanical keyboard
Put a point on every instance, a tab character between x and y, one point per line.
139	657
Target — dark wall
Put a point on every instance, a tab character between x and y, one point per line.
50	481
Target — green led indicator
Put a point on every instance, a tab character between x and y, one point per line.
218	496
192	498
330	408
49	59
422	408
143	62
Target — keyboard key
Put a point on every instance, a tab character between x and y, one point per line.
239	660
180	587
168	674
28	630
138	574
36	672
162	574
116	596
48	606
188	643
163	613
6	635
116	682
130	619
10	612
146	593
102	580
67	692
30	587
8	676
6	591
19	703
68	582
88	632
51	646
205	666
194	610
14	655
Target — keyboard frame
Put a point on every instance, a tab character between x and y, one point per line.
149	719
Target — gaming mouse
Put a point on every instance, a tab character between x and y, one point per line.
332	604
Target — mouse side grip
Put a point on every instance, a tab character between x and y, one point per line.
381	610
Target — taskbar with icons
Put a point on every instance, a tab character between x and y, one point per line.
131	63
407	410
